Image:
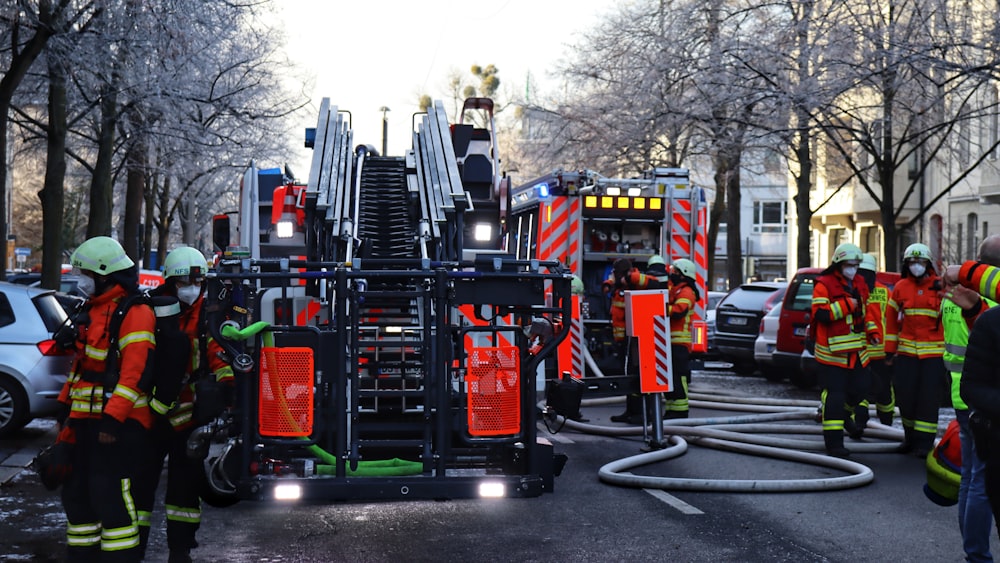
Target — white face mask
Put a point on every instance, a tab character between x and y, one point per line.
86	286
188	294
849	272
917	269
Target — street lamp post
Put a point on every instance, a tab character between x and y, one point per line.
385	130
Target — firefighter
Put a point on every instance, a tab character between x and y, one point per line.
881	374
621	274
184	271
914	345
105	407
680	309
838	311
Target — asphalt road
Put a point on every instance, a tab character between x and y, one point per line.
585	519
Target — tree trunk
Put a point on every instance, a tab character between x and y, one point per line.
716	215
51	195
135	184
803	185
101	194
734	253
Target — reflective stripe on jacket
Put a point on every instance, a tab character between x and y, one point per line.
680	309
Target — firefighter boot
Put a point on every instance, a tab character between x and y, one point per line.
906	446
885	417
858	423
633	411
834	442
179	556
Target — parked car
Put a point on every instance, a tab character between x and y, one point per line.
737	321
793	324
32	368
763	347
710	305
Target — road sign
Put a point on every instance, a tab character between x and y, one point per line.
22	251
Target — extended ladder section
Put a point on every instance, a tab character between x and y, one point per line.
364	205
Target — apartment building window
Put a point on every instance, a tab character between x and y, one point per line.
972	230
769	217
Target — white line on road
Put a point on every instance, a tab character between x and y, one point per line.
673	501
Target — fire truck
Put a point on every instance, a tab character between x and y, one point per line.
386	345
585	222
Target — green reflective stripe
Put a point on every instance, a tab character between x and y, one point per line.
919	312
183	514
987	282
137	336
823	355
833	425
820	300
159	407
144	517
181	417
124	392
924	426
95	353
836	311
224	373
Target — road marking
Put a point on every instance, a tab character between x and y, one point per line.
673	501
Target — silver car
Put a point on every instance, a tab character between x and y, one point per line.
32	367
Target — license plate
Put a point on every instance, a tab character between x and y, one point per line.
799	331
738	321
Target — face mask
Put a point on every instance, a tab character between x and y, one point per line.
849	272
917	269
188	294
86	286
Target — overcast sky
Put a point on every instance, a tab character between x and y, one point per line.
365	55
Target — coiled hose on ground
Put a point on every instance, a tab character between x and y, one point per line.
751	434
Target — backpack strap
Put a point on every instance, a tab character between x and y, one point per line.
114	330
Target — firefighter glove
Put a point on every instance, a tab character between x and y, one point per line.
111	426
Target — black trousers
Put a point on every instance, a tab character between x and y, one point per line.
100	510
185	477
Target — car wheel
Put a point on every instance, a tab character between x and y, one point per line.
13	406
744	367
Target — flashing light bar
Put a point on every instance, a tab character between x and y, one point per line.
614	190
622	202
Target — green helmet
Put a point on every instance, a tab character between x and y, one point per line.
184	261
917	251
654	260
845	252
685	268
101	255
576	285
868	262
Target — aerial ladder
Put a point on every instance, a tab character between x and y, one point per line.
382	351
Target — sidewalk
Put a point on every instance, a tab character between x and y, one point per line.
16	454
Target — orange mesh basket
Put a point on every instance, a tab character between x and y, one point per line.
285	403
494	391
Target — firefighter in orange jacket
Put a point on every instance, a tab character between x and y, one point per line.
622	273
914	345
184	271
838	313
881	389
680	309
106	408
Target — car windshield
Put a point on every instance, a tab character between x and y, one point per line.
713	299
